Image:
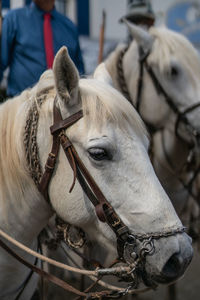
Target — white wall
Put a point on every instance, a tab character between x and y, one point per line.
115	9
71	10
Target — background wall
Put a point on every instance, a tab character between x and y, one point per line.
180	15
114	9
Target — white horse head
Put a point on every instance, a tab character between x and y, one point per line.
176	65
170	87
112	143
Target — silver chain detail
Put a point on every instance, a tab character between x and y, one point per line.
160	234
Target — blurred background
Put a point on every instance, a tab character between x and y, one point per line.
180	15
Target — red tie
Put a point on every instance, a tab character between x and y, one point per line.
48	40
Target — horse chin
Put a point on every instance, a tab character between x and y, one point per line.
148	280
153	281
140	276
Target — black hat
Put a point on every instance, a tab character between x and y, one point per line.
140	12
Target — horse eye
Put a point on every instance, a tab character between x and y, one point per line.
174	71
99	154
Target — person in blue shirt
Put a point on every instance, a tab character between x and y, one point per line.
22	44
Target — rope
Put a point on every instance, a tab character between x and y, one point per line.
96	273
92	274
44	258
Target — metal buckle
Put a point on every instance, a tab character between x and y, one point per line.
117	222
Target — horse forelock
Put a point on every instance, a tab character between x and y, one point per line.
168	44
104	103
100	104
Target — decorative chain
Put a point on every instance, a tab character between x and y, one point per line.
158	235
30	142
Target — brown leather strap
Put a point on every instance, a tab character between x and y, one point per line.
64	124
49	168
42	273
104	210
57	281
59	124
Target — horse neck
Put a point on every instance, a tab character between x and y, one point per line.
24	212
173	151
125	80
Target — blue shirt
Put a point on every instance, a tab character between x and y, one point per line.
23	49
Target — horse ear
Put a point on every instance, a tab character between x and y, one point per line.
142	36
66	77
102	74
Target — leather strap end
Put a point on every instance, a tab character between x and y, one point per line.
100	212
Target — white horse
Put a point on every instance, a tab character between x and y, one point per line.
112	143
160	74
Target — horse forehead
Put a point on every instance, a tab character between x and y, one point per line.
88	130
169	44
107	133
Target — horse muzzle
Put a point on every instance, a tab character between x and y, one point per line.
170	260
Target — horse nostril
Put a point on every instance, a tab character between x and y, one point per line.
173	267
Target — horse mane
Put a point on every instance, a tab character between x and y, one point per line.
11	176
168	44
14	170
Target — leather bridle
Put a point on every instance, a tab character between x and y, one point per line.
104	210
181	115
143	64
